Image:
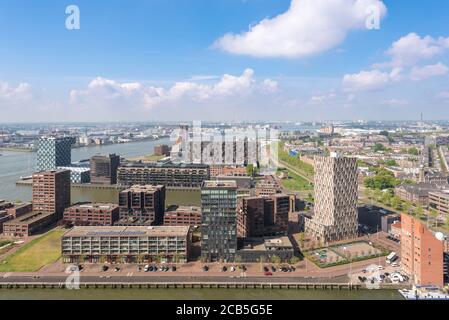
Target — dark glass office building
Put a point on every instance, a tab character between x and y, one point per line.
219	221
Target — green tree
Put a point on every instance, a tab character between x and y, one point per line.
413	151
434	215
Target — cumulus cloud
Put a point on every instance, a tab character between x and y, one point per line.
105	90
370	80
321	98
412	48
422	73
308	27
10	93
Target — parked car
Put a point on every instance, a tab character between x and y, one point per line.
173	268
146	268
265	269
205	268
224	269
105	268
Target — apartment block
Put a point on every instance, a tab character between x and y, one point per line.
421	253
219	220
336	193
182	216
142	205
167	174
126	244
93	214
103	169
51	192
53	152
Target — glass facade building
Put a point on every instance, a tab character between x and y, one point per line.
53	152
219	221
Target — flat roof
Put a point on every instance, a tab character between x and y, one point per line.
29	217
94	205
218	184
168	231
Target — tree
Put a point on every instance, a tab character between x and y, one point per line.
434	215
294	260
275	259
419	211
413	151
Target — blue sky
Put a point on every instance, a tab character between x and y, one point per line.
170	60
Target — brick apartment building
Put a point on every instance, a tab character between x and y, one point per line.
421	253
103	169
182	216
142	205
51	192
264	216
94	214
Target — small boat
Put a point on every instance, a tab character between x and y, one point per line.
423	294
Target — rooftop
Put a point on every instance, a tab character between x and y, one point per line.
162	231
220	184
29	218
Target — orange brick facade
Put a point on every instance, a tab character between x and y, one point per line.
421	253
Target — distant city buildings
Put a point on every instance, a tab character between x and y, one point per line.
142	205
219	221
336	195
53	152
421	253
103	169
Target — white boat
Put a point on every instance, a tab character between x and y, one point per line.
423	294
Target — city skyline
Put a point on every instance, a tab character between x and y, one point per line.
217	61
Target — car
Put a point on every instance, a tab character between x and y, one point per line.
205	268
265	269
268	273
224	269
244	268
117	269
153	269
105	268
173	268
233	269
292	268
146	268
395	264
273	269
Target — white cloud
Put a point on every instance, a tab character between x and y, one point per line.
10	93
308	27
317	99
371	80
412	48
443	95
396	102
422	73
102	90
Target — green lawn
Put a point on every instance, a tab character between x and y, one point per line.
296	183
34	255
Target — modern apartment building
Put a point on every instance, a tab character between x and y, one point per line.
264	216
162	150
421	253
126	244
92	214
29	224
142	205
51	192
439	200
219	221
103	169
167	174
336	193
182	216
53	152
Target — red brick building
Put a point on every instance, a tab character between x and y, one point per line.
182	216
421	253
93	214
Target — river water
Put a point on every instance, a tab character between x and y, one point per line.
196	294
13	165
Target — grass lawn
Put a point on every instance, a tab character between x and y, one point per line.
296	183
35	254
